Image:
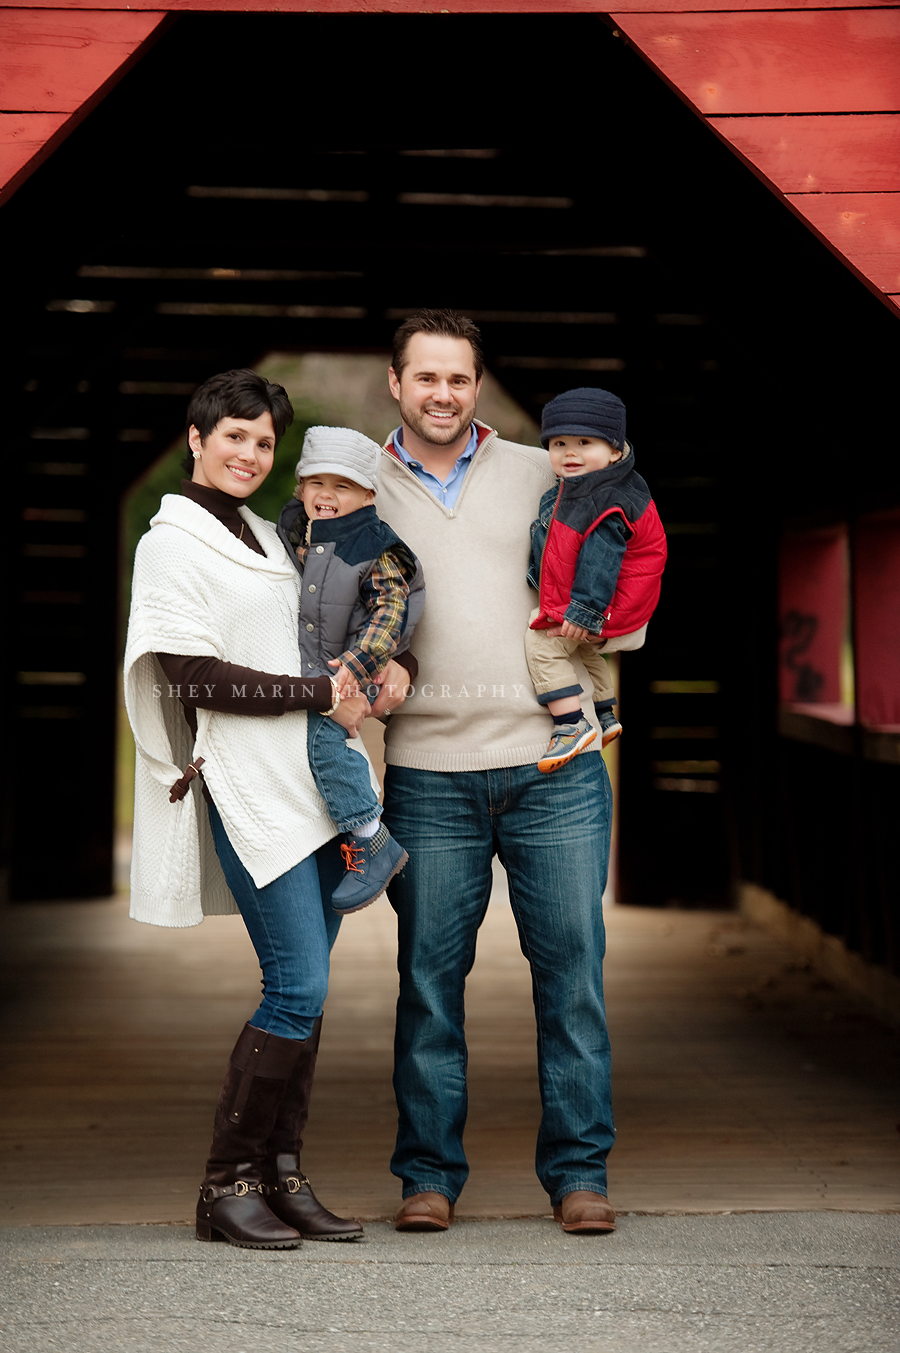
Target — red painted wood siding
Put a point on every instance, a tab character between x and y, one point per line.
756	75
810	100
876	604
834	62
864	227
22	137
55	65
454	6
813	597
838	153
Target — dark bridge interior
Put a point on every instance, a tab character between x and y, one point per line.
303	182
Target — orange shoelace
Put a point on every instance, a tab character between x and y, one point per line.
349	854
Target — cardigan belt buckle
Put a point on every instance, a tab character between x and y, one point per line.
180	787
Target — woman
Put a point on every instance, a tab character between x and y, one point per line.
211	657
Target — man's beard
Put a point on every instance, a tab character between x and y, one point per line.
427	432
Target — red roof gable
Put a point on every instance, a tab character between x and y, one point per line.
807	97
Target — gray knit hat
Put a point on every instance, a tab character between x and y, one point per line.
340	451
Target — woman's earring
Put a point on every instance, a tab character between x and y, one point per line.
196	455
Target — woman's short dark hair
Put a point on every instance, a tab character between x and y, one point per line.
443	323
236	394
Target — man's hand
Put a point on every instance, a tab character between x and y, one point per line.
351	712
394	683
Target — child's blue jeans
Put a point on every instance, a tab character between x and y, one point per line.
341	774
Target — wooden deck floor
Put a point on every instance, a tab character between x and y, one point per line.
742	1082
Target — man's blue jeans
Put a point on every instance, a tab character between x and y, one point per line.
552	835
341	774
292	928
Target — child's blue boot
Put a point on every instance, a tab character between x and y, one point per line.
371	864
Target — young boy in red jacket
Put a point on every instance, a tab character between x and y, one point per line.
598	551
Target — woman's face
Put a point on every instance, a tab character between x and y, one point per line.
236	456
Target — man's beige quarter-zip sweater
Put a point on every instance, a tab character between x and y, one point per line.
474	706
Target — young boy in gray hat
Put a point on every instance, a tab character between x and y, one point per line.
362	594
598	551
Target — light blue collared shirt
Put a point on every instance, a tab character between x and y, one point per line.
448	492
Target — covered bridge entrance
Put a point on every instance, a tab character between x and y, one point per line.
299	181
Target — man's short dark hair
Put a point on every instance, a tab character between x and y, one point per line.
236	394
443	323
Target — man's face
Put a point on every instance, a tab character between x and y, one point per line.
572	456
332	495
437	390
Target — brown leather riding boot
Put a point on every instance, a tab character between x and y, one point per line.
292	1198
233	1194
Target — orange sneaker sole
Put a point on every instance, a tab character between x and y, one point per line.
551	763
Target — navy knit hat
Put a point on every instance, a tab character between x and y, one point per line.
585	413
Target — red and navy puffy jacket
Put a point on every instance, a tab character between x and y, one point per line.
598	550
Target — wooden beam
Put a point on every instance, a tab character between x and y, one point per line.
55	66
53	61
863	227
828	154
451	6
838	61
22	137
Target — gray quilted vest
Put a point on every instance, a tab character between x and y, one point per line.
340	557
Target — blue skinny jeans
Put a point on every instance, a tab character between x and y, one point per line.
552	834
340	773
292	928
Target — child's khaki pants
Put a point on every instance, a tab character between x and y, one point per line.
552	672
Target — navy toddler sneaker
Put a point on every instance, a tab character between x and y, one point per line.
371	864
610	727
567	741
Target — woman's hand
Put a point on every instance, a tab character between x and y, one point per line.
351	712
394	683
343	677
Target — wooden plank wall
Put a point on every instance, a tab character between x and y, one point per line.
810	100
55	65
807	92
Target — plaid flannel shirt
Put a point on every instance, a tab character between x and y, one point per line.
384	593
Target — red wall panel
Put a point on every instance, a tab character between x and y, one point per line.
832	153
837	61
452	6
22	136
52	61
864	227
812	616
876	601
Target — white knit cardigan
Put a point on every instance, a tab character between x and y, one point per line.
198	591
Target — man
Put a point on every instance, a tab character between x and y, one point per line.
462	785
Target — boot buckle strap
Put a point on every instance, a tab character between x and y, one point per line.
239	1189
294	1183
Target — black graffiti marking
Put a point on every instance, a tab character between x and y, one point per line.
800	630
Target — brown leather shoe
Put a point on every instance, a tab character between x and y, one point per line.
424	1212
582	1210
